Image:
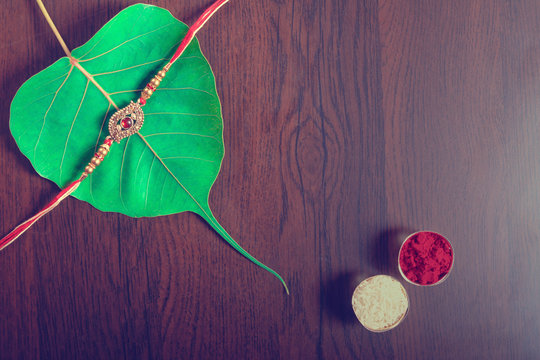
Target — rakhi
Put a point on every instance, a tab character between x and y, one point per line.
124	123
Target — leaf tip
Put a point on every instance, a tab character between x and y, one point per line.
286	288
280	279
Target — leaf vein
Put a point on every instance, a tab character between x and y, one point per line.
47	112
178	113
180	133
164	89
39	98
186	157
162	192
187	88
122	173
51	81
105	33
139	163
148	183
95	148
129	68
125	42
124	91
70	130
176	179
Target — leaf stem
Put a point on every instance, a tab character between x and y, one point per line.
89	76
53	27
73	61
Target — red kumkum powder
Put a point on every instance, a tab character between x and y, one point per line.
425	258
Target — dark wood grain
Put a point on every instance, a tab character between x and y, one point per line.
347	124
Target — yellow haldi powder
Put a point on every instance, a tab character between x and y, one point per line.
380	303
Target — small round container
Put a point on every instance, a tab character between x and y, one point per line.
425	258
380	303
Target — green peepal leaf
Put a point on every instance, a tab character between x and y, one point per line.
59	117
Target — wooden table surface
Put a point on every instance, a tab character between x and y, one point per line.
347	124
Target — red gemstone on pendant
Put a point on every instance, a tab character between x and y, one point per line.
126	123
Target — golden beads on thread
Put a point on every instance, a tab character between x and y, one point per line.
148	91
98	157
103	151
96	161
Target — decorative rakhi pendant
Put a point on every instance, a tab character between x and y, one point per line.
126	121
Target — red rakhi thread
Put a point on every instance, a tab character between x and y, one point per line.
19	230
103	150
196	27
156	80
